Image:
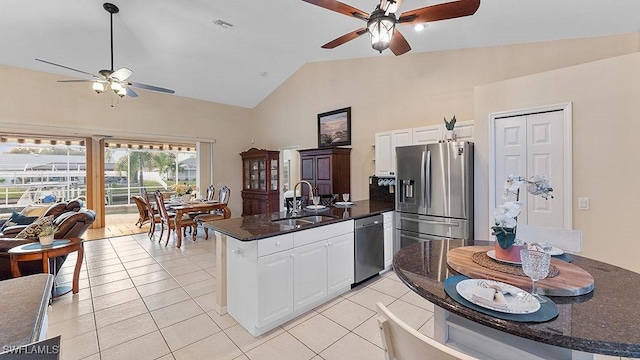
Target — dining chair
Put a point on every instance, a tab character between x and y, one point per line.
565	239
143	213
301	201
153	213
328	199
211	191
402	342
169	221
223	197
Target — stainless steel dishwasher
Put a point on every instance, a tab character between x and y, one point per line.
369	247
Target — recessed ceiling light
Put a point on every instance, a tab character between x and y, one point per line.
223	24
263	74
419	27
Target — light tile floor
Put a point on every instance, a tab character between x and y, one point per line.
141	300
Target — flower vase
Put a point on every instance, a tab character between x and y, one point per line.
46	240
450	135
512	251
186	198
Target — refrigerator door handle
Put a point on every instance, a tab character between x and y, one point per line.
431	222
422	180
428	176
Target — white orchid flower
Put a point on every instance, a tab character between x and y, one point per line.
540	185
512	186
506	214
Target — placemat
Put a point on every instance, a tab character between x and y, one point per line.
37	246
481	258
547	311
564	257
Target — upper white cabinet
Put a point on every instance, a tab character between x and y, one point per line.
387	142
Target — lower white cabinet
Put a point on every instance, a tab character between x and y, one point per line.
272	282
310	279
275	286
388	239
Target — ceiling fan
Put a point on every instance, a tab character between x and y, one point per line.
382	21
110	79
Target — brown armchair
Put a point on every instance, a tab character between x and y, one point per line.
55	210
70	224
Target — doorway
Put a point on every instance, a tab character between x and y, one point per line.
290	171
531	142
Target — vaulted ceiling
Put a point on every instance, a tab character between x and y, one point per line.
175	44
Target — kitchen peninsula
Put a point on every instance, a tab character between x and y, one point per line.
274	267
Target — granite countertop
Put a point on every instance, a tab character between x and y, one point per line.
24	301
255	227
604	321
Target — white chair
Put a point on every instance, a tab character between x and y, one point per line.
401	342
567	240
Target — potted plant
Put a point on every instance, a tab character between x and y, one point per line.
449	125
46	235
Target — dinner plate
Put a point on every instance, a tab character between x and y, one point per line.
553	251
316	207
344	203
517	300
492	254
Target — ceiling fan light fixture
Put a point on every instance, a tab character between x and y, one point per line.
380	27
98	87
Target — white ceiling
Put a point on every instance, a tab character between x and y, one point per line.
174	44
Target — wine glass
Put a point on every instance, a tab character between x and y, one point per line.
535	265
345	197
316	200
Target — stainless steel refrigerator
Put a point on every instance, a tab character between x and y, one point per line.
434	193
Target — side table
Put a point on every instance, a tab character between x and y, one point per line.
60	247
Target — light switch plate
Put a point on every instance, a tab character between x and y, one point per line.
583	203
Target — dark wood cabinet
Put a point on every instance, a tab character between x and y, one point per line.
260	181
327	169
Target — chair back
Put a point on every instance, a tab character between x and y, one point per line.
211	191
224	194
160	205
402	342
142	206
567	240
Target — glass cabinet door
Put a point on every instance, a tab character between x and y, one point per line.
274	174
247	175
254	174
263	174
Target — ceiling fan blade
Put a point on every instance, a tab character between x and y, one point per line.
340	7
121	74
72	81
390	6
344	38
68	68
151	87
399	44
444	11
130	92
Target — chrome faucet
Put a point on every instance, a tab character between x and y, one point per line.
294	209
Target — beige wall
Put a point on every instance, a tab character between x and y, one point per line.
388	92
34	102
605	129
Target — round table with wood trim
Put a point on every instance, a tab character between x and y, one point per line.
60	247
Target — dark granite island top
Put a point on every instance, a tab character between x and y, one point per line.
604	321
257	227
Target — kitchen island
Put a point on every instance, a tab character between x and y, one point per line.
604	321
257	257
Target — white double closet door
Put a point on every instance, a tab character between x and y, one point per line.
528	145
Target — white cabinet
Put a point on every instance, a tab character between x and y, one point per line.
427	134
388	239
275	286
310	269
271	281
340	252
387	142
383	154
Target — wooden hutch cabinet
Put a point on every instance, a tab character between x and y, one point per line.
260	182
327	169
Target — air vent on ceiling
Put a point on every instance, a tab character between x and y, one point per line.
223	24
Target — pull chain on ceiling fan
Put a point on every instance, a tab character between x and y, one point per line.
381	24
110	79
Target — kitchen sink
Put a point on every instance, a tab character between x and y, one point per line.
303	220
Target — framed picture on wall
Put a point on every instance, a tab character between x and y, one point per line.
334	128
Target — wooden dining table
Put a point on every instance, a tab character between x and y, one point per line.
202	207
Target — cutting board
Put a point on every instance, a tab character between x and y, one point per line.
570	281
